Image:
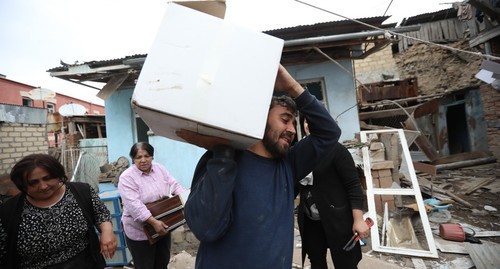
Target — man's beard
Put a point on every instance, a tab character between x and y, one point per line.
272	146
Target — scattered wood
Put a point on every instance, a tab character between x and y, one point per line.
482	183
458	199
429	187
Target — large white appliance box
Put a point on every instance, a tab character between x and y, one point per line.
207	75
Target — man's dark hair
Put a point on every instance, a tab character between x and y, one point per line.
284	101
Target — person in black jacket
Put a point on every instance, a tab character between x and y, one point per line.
52	223
330	210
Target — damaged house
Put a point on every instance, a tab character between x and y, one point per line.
413	87
432	87
303	56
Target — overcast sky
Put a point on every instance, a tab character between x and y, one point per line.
35	35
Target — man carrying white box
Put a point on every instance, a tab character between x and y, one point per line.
242	201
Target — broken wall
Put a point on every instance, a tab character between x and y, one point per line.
491	107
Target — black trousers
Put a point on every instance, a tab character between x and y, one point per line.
147	256
316	243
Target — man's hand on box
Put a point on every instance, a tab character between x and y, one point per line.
286	83
204	141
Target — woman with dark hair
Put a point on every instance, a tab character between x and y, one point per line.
52	222
144	182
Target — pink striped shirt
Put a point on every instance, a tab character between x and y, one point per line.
137	189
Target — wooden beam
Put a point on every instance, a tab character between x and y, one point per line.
386	113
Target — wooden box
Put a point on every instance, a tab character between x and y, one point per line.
170	211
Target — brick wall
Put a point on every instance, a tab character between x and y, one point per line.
371	68
491	106
18	140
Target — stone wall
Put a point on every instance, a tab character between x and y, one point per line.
18	140
491	106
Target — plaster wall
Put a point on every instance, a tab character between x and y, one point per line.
340	92
119	124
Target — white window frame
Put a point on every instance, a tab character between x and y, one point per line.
414	191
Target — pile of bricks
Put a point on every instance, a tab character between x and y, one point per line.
381	170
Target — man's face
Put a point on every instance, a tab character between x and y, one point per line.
280	131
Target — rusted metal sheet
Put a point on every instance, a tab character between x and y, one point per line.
387	90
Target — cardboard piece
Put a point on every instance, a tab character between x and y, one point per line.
209	76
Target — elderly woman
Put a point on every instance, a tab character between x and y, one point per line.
144	182
52	222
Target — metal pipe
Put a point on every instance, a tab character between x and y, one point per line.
341	37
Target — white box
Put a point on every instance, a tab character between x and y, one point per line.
207	75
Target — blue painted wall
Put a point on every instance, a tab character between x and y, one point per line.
119	124
180	158
340	92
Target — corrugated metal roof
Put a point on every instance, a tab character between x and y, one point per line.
430	17
96	64
329	28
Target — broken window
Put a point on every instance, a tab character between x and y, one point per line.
401	222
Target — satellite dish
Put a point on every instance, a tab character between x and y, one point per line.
40	93
72	109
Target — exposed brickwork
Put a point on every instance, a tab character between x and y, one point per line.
18	140
491	106
371	68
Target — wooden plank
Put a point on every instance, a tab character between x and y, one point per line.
467	163
418	263
385	113
113	84
444	29
423	143
461	157
429	107
482	183
426	168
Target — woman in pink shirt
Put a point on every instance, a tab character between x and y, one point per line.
144	182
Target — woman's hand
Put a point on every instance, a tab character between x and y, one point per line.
158	225
359	225
107	240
